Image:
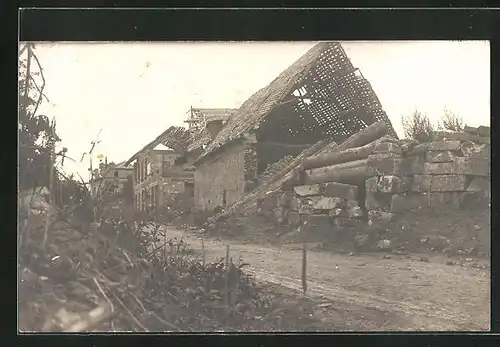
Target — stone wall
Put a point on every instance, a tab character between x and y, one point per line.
221	175
453	172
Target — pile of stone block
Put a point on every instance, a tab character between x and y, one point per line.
430	175
317	205
390	177
401	176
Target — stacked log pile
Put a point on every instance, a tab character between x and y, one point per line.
290	174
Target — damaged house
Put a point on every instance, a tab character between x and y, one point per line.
111	178
164	176
156	174
321	96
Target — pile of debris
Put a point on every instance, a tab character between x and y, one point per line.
113	276
275	168
287	177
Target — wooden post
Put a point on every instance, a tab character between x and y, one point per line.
304	267
51	193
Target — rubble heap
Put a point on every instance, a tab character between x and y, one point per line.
275	168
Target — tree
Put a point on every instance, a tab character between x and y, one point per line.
452	122
37	135
418	127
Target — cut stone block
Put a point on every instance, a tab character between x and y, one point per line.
439	183
386	184
387	147
453	145
461	166
338	212
406	202
423	201
440	156
293	218
380	216
481	130
380	164
448	183
341	190
377	201
351	203
392	184
327	203
479	184
371	184
421	183
414	165
305	208
308	190
471	149
462	136
484	131
346	223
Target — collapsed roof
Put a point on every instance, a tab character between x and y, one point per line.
183	140
198	119
321	96
177	138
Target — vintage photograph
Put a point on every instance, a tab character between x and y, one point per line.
254	186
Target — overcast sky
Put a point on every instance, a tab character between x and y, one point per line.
134	91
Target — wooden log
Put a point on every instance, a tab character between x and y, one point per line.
362	137
343	173
350	154
351	175
330	168
374	132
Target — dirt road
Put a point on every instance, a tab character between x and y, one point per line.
369	292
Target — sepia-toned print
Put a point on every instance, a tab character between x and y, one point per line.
254	186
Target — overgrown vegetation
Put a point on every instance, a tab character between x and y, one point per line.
418	126
82	269
452	122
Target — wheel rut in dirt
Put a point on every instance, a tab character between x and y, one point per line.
407	294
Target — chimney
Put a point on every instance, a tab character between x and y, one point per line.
106	161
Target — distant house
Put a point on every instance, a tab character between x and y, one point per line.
156	173
162	176
321	96
110	178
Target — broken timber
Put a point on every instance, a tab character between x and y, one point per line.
345	156
370	134
289	174
274	183
361	138
353	172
